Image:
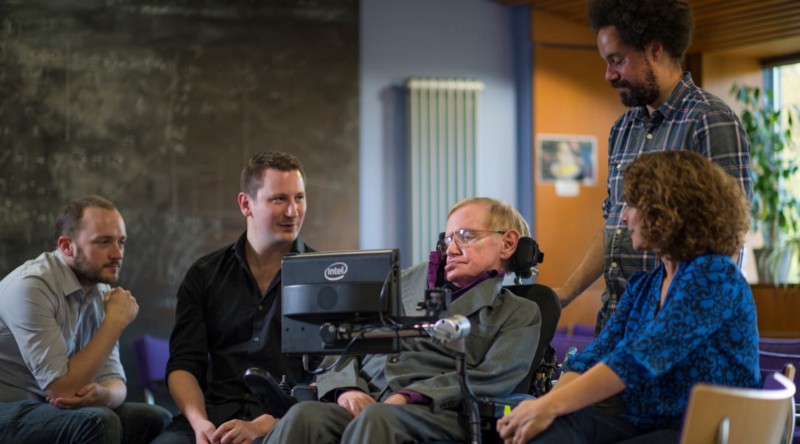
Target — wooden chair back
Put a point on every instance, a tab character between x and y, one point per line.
730	415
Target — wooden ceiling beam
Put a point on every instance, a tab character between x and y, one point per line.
729	15
711	8
747	25
719	24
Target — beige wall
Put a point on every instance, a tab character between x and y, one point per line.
721	70
571	97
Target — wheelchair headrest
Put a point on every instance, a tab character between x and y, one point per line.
526	257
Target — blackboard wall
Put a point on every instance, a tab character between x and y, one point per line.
157	105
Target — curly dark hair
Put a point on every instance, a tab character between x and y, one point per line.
642	22
253	172
688	206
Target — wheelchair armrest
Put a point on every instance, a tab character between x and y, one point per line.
304	393
268	392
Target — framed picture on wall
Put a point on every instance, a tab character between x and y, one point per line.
566	158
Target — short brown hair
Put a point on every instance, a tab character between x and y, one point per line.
69	218
253	172
688	205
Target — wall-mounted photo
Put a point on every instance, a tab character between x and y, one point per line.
567	158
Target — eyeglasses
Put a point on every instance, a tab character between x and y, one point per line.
464	236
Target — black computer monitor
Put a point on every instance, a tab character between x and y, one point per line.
356	288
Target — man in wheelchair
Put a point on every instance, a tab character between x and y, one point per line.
414	395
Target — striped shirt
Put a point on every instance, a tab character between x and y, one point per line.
691	119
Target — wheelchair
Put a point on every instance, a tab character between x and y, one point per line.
277	397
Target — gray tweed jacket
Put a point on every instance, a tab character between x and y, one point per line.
500	348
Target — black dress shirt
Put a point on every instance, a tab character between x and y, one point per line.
224	325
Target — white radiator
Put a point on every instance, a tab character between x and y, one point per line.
442	121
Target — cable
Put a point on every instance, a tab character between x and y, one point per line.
382	297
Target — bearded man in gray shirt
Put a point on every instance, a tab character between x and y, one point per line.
61	379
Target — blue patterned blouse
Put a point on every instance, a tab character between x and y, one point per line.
705	332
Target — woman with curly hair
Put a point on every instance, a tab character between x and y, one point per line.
692	319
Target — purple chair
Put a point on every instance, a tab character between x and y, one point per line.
583	330
773	362
561	343
151	356
774	353
775	345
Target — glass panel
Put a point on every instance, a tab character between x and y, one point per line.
786	79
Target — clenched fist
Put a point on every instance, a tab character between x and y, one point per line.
120	306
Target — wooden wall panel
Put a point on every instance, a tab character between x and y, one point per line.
571	97
778	310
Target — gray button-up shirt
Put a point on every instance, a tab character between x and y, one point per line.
45	318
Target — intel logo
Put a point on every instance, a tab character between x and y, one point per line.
335	271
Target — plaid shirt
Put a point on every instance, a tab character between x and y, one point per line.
691	119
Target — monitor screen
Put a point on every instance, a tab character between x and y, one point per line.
356	288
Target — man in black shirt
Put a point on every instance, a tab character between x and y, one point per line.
228	312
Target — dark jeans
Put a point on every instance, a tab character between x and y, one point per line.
40	422
593	425
179	432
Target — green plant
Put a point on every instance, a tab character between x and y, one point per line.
776	210
779	262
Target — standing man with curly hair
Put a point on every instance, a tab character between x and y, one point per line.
643	43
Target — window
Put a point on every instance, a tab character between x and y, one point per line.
784	80
786	86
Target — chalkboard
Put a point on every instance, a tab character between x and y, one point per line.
156	106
